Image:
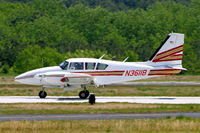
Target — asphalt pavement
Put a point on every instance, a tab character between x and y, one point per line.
97	116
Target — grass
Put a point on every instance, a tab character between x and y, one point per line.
164	125
7	79
67	108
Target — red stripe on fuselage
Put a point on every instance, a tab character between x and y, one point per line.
97	71
79	77
62	75
102	73
25	77
106	74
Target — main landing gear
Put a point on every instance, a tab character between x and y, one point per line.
84	93
42	93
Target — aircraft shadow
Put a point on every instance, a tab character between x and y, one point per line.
74	99
166	98
60	98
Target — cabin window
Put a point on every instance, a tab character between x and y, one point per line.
64	65
101	66
76	66
89	66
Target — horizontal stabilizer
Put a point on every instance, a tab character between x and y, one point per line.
176	67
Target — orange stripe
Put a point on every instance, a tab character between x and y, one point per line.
161	74
181	46
172	57
177	71
168	54
164	71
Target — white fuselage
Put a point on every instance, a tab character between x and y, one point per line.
101	72
114	72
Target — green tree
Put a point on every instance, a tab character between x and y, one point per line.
116	26
32	57
88	54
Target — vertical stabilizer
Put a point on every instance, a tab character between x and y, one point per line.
170	52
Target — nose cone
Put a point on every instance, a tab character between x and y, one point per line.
18	78
29	77
25	78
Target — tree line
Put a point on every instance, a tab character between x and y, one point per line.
52	31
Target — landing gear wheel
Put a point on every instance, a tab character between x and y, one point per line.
42	94
92	98
84	94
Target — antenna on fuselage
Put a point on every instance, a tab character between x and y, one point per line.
125	59
102	56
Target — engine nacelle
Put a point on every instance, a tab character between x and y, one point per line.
65	79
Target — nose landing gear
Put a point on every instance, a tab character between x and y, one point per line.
84	94
42	93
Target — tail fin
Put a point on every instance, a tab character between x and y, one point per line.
170	53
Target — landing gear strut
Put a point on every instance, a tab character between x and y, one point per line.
84	93
42	93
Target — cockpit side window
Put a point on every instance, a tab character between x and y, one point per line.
76	66
64	65
89	66
101	66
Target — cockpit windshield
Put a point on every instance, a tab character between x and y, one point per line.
64	65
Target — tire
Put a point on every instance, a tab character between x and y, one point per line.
92	98
42	94
83	95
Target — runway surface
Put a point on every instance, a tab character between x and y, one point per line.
98	116
100	99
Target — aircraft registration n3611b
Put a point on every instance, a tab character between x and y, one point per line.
82	72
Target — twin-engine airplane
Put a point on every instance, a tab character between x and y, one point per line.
82	72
